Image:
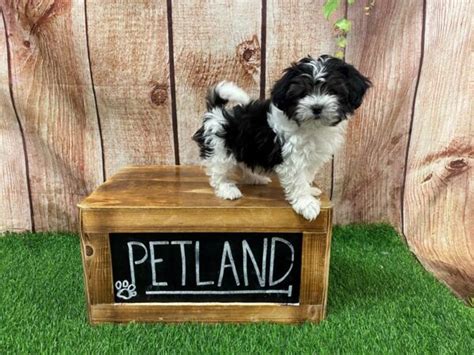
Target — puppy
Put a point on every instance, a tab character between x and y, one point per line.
292	134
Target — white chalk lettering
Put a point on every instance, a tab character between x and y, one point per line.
227	254
198	276
248	252
154	261
230	292
266	264
133	262
181	244
272	260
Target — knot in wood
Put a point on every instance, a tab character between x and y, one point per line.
427	177
456	167
457	164
313	312
89	250
159	94
248	53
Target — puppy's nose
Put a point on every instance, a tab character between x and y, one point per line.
317	109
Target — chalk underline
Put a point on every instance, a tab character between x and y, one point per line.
232	292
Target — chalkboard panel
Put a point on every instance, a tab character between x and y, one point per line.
206	267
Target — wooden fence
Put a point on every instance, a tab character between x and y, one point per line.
89	86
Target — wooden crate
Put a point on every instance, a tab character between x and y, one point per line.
153	203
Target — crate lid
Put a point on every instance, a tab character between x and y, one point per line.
178	186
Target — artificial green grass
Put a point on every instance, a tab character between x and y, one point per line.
380	301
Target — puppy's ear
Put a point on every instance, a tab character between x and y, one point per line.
357	84
282	87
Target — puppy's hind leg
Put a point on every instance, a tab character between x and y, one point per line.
219	174
251	178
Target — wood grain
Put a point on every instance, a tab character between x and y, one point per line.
294	30
369	171
14	201
129	61
178	186
209	313
192	219
438	206
52	92
315	268
327	265
179	198
213	41
95	250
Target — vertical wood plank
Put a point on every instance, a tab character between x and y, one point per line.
369	171
52	92
97	262
15	212
128	44
295	29
314	268
438	205
213	40
327	261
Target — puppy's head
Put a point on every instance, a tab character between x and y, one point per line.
325	89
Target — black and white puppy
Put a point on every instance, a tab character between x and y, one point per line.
293	133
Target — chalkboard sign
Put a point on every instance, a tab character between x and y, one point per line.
206	267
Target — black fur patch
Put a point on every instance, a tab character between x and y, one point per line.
249	138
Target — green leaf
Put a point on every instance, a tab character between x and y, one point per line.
339	54
329	7
343	25
341	42
351	2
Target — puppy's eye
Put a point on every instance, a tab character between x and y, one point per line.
295	90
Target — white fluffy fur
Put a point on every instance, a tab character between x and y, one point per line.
328	102
318	69
221	165
231	92
307	147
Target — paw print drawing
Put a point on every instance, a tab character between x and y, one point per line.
125	290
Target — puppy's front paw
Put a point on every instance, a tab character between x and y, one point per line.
228	191
315	191
308	207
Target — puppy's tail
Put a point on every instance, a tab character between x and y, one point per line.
224	92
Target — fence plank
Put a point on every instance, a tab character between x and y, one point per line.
51	88
14	201
369	171
438	196
294	30
213	40
128	44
